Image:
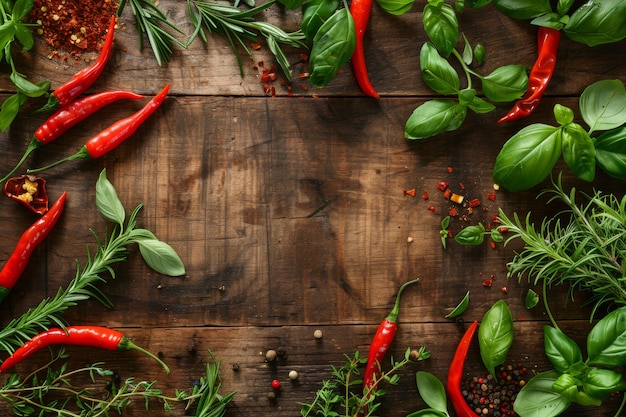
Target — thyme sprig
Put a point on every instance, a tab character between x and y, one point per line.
51	389
582	246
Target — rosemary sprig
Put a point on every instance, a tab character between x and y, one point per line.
583	246
237	26
152	22
52	390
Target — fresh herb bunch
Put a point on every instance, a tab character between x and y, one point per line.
341	395
583	246
14	31
113	249
529	156
51	389
504	84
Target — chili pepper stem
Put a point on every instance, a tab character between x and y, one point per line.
81	154
126	344
393	314
33	144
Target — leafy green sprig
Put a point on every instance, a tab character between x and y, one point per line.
341	395
111	250
582	247
51	389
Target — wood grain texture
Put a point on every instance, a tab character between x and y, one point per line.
289	213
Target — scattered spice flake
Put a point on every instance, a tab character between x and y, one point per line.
461	186
431	208
443	185
256	46
453	212
491	196
449	170
304	57
425	195
503	229
492	244
446	194
73	26
474	202
487	283
456	198
505	290
410	192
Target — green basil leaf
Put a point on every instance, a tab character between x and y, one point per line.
441	26
606	342
611	152
29	88
550	20
314	14
7	33
396	7
475	4
496	236
291	4
333	46
25	36
21	9
432	391
560	349
107	201
563	115
597	22
537	398
567	386
161	257
531	299
603	105
480	106
458	310
495	335
9	109
578	151
437	72
428	412
528	157
506	83
600	383
459	6
523	9
471	235
434	117
479	54
468	53
563	6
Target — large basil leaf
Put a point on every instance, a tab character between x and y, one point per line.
606	342
314	14
560	349
432	391
527	157
603	105
437	72
506	83
597	22
396	7
333	46
537	398
107	201
578	151
611	152
441	27
600	383
434	117
495	335
523	9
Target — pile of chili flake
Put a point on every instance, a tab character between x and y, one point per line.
73	26
489	397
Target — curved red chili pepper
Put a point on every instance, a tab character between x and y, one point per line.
361	10
66	117
548	40
383	337
91	336
114	135
455	374
27	243
84	78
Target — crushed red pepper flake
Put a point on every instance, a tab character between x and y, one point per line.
73	26
410	192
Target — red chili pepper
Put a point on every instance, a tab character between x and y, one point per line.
361	10
30	191
91	336
27	243
455	374
380	344
84	78
548	40
114	135
66	117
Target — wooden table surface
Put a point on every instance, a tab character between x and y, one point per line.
289	212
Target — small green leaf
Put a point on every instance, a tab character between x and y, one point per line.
479	54
506	83
531	300
579	152
606	342
314	14
603	105
471	235
432	391
9	109
161	257
468	53
441	26
107	201
459	309
563	115
434	117
495	335
437	72
29	88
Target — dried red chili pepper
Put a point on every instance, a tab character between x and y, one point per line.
66	117
84	78
548	40
455	374
28	190
383	337
30	239
361	10
91	336
114	135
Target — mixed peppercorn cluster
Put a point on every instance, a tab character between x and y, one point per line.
489	397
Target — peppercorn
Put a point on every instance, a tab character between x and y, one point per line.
270	355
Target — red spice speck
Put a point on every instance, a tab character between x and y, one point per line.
449	170
487	283
474	202
453	212
447	194
505	290
410	192
443	185
492	244
491	196
425	195
276	384
462	186
431	208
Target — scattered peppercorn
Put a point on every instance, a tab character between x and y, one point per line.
318	334
293	375
271	355
276	384
489	397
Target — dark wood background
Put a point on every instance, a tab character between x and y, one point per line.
289	211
